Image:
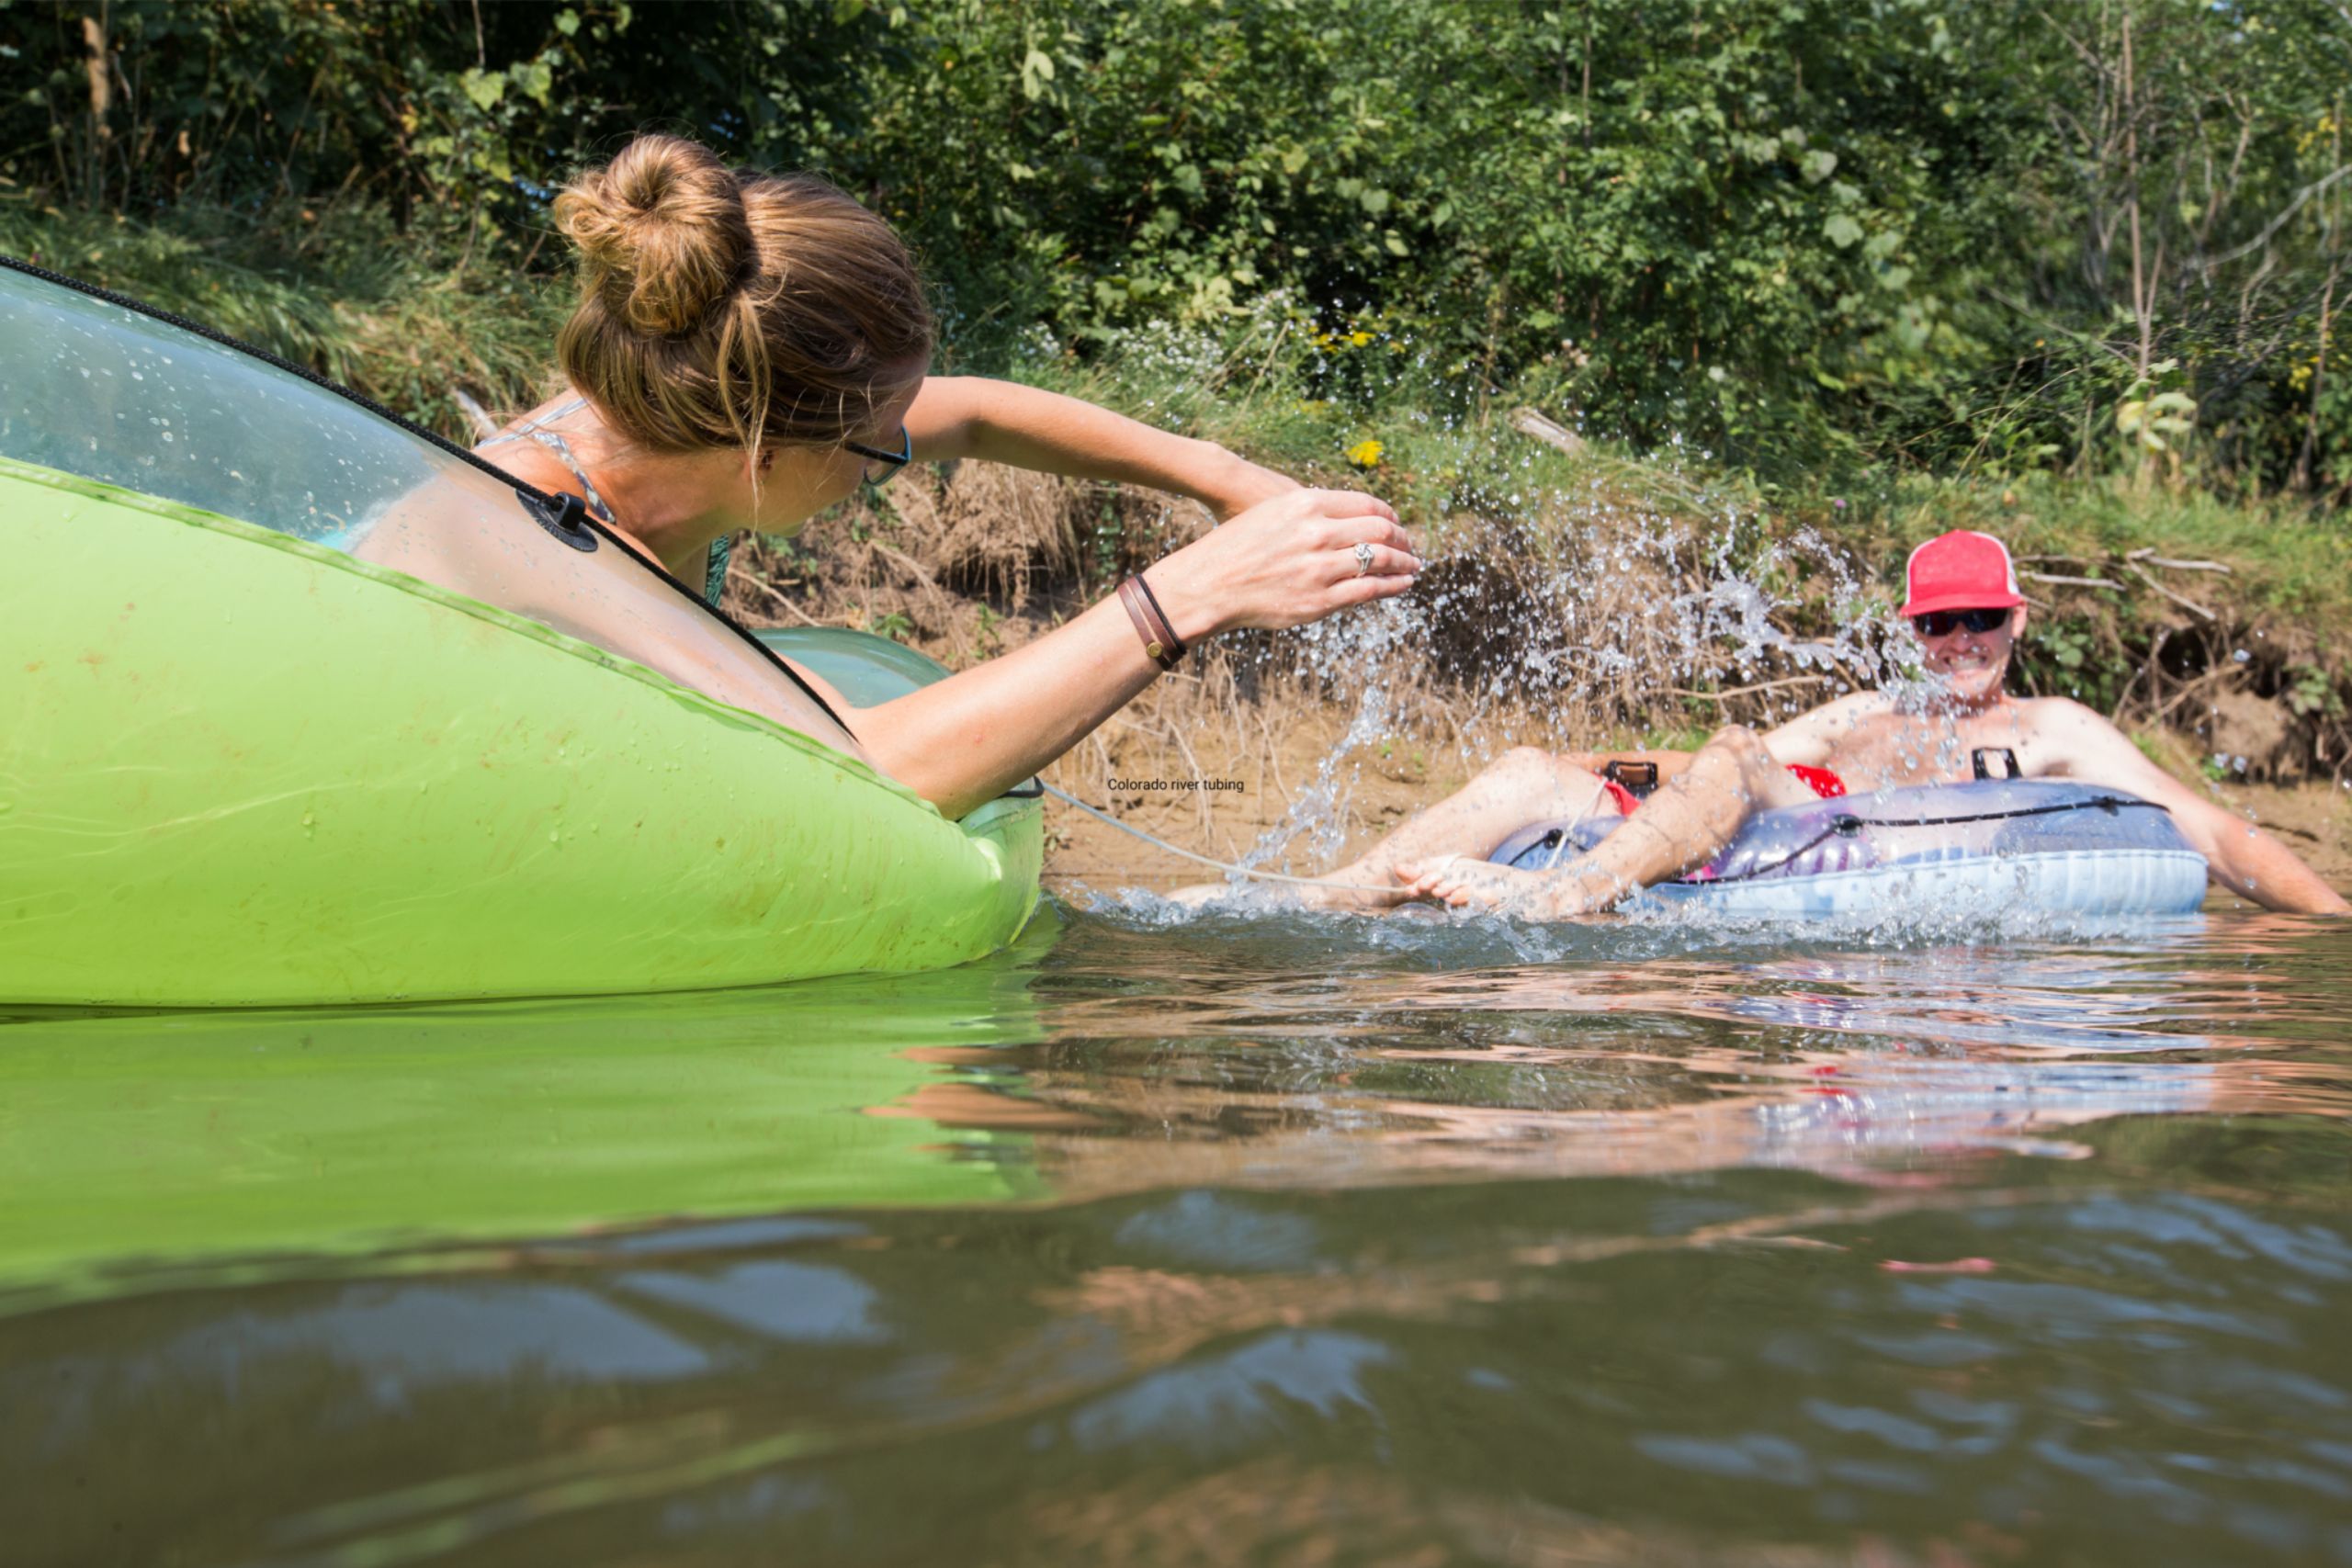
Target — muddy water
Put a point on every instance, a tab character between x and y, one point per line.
1276	1241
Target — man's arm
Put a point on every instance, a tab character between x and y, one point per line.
1810	739
2076	743
1806	740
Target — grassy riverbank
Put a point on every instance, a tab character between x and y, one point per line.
2221	621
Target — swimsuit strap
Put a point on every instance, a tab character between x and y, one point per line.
554	442
714	576
722	549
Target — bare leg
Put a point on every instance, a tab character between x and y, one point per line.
1683	824
1524	785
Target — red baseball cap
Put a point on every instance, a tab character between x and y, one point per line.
1960	571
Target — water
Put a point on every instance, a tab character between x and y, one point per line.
1289	1240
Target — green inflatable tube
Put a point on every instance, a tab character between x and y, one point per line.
302	705
242	769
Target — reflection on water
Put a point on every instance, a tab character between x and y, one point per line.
1294	1240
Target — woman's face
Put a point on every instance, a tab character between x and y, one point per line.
801	481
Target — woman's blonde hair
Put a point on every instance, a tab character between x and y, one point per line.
727	308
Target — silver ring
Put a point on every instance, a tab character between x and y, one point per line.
1363	559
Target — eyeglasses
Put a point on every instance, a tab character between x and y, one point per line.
1942	623
892	461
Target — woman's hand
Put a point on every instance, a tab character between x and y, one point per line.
1283	562
975	735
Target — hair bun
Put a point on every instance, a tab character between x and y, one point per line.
661	233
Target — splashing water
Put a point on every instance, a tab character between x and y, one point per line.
1563	602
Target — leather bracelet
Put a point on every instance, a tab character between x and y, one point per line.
1160	643
1159	618
1160	640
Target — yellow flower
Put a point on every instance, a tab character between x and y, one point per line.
1367	454
1359	338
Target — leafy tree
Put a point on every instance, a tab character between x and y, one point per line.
1795	233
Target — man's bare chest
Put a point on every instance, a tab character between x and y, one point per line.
1893	750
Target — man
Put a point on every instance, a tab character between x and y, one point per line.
1964	603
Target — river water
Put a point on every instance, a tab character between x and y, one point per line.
1284	1240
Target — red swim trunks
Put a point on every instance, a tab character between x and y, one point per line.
1821	781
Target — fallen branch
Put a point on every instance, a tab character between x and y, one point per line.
2150	556
2186	603
1530	423
1744	691
736	574
2207	682
2082	582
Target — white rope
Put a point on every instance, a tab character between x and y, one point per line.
1566	842
1599	788
1204	860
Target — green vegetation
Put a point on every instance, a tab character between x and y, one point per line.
1792	232
1873	267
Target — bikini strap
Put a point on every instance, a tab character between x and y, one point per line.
554	442
722	551
714	576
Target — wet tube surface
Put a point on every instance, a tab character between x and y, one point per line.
2064	848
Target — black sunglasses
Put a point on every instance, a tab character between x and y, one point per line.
1942	623
898	459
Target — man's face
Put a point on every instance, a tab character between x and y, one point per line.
1973	662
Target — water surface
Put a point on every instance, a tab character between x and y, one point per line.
1270	1240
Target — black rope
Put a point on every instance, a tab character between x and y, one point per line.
2111	804
1838	825
526	491
1846	824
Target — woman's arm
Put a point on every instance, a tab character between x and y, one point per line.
968	738
1003	422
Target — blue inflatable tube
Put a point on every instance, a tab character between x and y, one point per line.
2033	844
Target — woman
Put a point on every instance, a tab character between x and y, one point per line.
748	348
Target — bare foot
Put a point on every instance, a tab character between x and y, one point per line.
1346	892
1464	882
